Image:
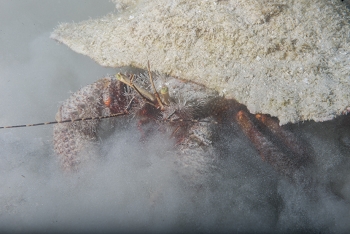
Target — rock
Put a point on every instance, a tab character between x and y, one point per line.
289	59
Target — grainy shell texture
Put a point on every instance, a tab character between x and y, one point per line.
290	59
74	141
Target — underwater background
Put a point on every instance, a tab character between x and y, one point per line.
136	186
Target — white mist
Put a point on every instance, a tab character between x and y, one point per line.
135	186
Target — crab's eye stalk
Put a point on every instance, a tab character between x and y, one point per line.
119	77
164	90
123	78
164	95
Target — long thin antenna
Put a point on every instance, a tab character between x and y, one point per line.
104	117
125	112
66	121
141	91
154	88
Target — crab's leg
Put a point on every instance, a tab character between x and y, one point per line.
288	138
269	152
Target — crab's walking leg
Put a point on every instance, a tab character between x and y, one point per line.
288	138
267	150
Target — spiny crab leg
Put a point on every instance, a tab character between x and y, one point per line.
269	152
288	138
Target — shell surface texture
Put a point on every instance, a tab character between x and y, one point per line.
70	139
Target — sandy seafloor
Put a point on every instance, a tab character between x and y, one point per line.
135	186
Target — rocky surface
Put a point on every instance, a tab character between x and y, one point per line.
286	58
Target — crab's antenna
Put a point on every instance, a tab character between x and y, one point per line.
67	121
141	91
125	112
189	120
154	88
98	118
102	117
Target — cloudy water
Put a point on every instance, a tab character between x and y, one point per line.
137	186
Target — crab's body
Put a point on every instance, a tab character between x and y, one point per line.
186	112
189	104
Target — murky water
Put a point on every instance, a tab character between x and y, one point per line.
136	186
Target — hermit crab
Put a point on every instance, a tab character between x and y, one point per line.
186	112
